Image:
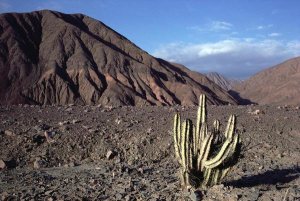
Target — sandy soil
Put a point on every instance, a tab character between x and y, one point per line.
126	153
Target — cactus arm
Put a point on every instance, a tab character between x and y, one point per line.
230	127
216	126
216	131
178	133
224	173
195	145
206	151
202	135
225	152
177	136
188	145
215	161
207	176
203	106
192	146
183	144
198	121
235	142
184	178
204	148
216	177
201	117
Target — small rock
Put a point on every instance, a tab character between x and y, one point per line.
119	196
69	109
48	192
110	154
254	194
71	164
129	198
257	112
86	127
9	133
64	128
196	195
4	196
149	130
2	165
49	136
38	163
61	123
74	121
141	170
93	130
118	120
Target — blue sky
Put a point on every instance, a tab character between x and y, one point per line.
234	37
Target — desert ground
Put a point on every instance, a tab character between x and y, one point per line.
127	153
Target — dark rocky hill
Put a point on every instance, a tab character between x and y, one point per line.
47	57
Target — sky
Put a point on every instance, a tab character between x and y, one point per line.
236	38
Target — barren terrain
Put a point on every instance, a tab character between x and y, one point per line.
126	153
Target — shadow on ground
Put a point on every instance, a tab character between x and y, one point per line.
270	177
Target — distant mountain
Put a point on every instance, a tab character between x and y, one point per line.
222	81
47	57
278	85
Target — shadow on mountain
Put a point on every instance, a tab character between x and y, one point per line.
269	177
241	100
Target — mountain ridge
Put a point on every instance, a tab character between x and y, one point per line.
48	57
224	82
279	85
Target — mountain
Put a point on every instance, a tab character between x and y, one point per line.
279	85
47	57
222	81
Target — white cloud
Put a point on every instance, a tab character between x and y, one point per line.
237	58
274	34
221	25
213	26
261	27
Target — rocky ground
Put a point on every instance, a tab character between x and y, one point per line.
126	153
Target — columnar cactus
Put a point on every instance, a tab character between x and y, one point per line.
205	157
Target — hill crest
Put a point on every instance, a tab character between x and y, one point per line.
47	57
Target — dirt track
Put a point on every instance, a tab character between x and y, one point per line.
77	164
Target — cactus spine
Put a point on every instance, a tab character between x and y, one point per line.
205	157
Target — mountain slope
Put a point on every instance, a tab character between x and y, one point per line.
222	81
276	85
48	57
